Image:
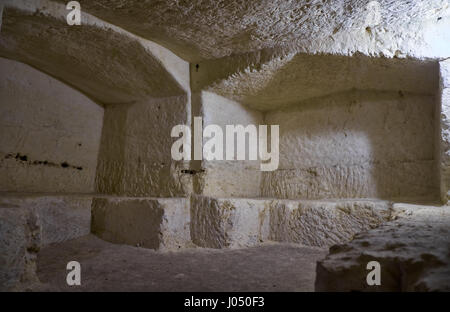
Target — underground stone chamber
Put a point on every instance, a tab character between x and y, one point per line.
86	168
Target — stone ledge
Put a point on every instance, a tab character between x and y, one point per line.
243	222
229	222
156	223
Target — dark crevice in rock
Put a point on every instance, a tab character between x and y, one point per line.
24	159
191	171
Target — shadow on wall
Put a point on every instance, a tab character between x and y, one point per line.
356	144
135	157
292	79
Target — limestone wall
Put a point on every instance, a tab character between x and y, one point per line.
50	133
135	158
233	178
355	144
444	135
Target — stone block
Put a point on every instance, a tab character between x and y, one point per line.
242	222
324	223
156	223
413	252
229	222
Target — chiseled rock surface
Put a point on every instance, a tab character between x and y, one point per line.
209	29
111	65
444	103
358	144
222	178
241	222
324	223
230	222
156	223
19	244
60	217
444	67
50	133
413	251
294	78
29	222
135	150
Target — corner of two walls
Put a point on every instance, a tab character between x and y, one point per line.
135	154
50	133
49	140
443	149
352	144
228	178
135	158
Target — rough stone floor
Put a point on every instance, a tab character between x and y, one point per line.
112	267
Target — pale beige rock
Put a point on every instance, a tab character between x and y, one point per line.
108	64
135	154
60	217
444	68
241	222
443	99
230	222
356	144
273	82
50	133
354	88
222	178
211	29
324	223
19	244
156	223
413	252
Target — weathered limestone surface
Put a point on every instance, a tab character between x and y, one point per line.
240	222
324	223
28	222
291	63
135	157
222	178
413	251
212	29
231	222
156	223
444	133
359	144
105	62
444	70
281	80
60	217
19	245
50	133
